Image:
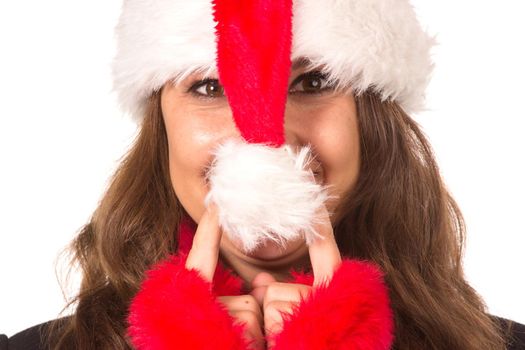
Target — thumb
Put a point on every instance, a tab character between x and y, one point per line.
259	285
262	279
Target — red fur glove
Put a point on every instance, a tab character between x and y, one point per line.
177	309
350	312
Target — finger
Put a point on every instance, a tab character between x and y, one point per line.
258	293
288	292
273	318
256	340
259	284
262	279
252	329
204	252
324	253
242	303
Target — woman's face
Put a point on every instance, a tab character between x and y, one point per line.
197	117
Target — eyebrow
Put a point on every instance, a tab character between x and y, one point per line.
300	62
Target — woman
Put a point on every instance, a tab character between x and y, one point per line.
391	207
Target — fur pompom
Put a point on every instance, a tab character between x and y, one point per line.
264	193
352	312
176	309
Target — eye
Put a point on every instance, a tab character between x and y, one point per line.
313	82
310	83
207	88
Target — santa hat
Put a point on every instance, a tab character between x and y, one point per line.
358	44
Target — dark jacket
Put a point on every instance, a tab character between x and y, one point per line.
30	339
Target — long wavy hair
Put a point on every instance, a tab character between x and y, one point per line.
398	215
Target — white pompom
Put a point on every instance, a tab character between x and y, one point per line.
265	193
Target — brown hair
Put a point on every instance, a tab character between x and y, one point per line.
399	215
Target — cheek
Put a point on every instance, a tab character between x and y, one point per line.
192	133
337	144
187	157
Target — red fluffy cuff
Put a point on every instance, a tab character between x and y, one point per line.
177	309
351	312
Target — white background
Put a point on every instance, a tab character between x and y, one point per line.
61	136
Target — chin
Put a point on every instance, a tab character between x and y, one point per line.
271	250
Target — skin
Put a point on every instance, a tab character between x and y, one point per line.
261	309
197	117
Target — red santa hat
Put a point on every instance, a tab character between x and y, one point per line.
249	45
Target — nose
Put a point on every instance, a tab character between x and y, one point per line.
293	133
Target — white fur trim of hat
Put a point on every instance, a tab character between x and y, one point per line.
361	44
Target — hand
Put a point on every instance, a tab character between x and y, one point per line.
273	297
276	298
203	257
173	297
245	309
